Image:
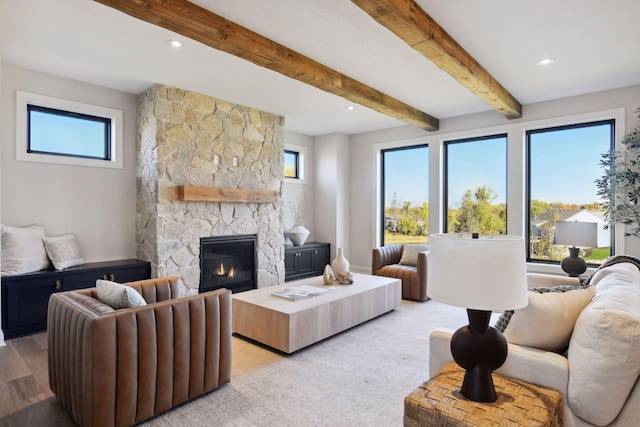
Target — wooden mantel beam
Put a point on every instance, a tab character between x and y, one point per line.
200	24
411	23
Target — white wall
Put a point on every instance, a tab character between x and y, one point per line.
332	192
301	193
97	204
363	166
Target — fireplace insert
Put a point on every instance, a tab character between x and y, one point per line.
228	262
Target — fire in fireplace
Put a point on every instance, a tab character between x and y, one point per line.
228	262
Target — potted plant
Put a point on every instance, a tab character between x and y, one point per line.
619	187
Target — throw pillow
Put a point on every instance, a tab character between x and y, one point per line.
63	251
603	354
410	253
117	295
23	250
547	321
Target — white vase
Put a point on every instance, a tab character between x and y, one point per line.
297	234
340	264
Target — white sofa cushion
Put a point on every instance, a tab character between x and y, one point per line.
23	250
117	295
410	253
63	251
547	321
603	353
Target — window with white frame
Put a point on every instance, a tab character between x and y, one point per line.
563	163
476	185
295	157
54	130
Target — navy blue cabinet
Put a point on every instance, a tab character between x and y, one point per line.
306	260
25	298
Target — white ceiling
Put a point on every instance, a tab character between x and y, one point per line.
594	43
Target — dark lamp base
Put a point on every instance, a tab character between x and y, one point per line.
573	265
480	349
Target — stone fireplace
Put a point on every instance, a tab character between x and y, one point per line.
189	139
228	262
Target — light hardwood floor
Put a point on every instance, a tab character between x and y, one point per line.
25	397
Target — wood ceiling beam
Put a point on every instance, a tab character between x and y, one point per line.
200	24
411	23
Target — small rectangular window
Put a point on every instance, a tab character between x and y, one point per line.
291	164
65	133
53	130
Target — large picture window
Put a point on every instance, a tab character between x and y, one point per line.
405	195
475	171
563	163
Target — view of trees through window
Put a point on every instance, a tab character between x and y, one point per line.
405	191
476	185
291	164
563	165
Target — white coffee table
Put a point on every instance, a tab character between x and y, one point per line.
289	325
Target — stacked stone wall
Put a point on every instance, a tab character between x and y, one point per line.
186	138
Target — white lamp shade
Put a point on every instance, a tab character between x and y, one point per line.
487	273
576	233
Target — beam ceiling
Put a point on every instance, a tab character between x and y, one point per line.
200	24
409	22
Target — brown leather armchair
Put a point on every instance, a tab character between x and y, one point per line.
119	367
386	262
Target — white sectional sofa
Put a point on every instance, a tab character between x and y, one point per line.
584	342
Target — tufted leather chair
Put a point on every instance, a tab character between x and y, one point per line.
386	262
119	367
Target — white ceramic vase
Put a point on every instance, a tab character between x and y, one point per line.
297	234
340	264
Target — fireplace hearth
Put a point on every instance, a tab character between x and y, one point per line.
228	262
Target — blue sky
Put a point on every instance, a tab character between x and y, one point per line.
68	135
564	165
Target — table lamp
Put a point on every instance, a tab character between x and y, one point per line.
577	235
482	274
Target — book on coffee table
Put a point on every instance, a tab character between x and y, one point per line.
299	292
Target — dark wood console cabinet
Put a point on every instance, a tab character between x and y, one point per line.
25	297
306	260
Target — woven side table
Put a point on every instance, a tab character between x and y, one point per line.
439	403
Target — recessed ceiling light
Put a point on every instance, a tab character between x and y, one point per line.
350	107
545	61
175	43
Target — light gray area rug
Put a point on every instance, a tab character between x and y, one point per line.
357	378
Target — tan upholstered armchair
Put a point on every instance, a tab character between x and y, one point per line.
386	262
119	367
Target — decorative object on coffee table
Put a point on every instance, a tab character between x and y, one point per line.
345	278
339	264
328	276
576	234
482	274
298	234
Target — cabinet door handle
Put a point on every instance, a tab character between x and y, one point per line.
316	252
112	277
105	277
58	284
